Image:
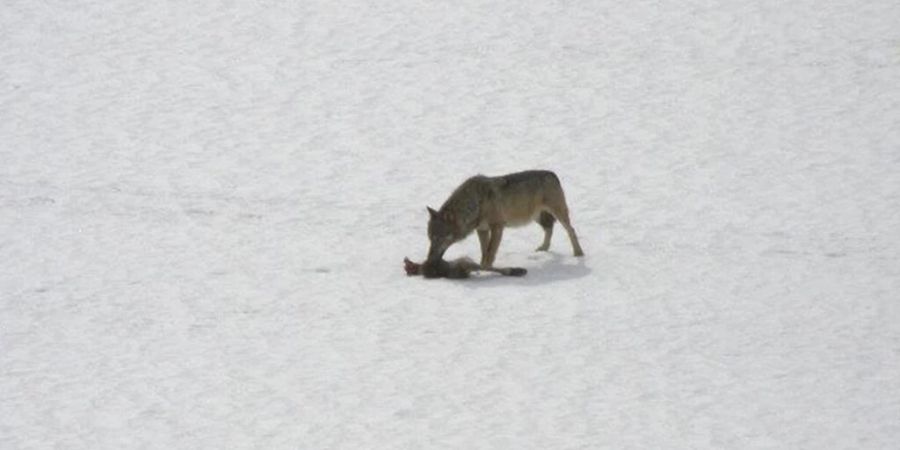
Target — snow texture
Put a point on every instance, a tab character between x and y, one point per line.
204	207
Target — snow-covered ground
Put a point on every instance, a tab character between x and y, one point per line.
204	207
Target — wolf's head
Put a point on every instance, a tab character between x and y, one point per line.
442	232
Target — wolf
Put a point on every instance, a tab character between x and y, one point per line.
490	204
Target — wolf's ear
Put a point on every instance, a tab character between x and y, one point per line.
431	212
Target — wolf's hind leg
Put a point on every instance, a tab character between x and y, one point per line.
546	221
560	210
576	247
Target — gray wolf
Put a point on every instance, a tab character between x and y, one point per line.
490	204
458	268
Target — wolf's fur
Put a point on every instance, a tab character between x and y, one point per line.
489	204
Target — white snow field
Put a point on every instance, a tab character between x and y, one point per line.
204	207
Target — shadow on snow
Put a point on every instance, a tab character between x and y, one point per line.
550	268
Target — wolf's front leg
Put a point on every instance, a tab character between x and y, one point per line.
484	238
496	236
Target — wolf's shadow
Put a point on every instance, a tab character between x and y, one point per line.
543	268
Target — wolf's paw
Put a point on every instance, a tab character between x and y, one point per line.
517	272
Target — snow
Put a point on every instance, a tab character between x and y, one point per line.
205	207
